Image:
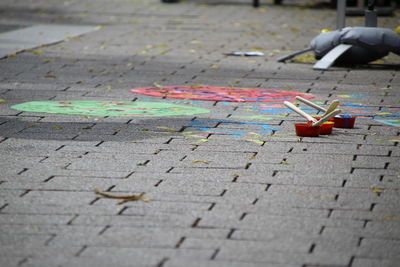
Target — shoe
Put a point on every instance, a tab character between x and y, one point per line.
169	1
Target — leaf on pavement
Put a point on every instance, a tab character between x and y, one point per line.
200	161
123	199
377	190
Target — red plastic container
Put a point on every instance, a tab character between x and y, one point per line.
306	130
326	127
344	121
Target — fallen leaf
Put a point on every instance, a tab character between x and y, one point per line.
166	129
37	51
378	61
48	60
389	218
274	52
157	85
255	141
200	161
122	198
51	76
377	190
305	58
252	157
214	67
284	162
2	101
201	140
326	197
57	127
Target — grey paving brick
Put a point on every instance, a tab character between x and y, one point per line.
212	263
370	262
380	248
156	220
34	219
149	256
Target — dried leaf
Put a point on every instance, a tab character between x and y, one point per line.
378	61
214	67
122	198
389	218
2	101
37	51
377	190
200	161
166	129
51	76
57	127
48	60
284	162
201	140
305	58
255	141
252	157
274	52
157	85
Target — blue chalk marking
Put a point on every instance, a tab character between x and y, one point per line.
205	126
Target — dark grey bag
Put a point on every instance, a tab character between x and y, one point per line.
369	44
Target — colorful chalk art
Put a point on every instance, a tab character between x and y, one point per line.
208	126
110	108
211	93
384	114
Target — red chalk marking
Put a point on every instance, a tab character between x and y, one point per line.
211	93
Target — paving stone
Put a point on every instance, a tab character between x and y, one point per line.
368	262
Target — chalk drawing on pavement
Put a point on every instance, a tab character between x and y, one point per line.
110	108
211	93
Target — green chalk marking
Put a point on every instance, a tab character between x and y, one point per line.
110	108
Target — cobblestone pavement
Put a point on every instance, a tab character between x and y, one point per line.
233	187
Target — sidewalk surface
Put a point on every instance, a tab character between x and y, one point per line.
232	187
